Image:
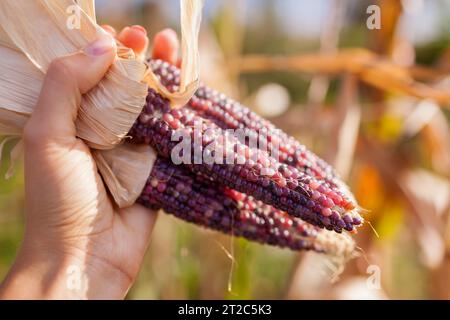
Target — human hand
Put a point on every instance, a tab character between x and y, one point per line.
77	244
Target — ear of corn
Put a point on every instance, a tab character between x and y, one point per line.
229	114
195	199
315	198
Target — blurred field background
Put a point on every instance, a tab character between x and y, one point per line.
379	113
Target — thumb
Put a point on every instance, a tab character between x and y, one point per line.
67	79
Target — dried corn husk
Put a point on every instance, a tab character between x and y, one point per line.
108	111
120	176
87	6
189	79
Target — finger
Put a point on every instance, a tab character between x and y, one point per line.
166	46
134	37
66	80
109	29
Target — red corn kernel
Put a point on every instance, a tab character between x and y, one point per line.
349	206
315	195
175	124
327	202
167	117
326	212
314	185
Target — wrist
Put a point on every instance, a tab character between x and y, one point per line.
43	274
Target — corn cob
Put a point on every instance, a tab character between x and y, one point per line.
229	114
194	199
285	187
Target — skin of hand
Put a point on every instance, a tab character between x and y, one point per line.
77	244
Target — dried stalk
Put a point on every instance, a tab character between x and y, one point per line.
366	65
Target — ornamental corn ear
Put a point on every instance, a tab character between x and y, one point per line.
315	195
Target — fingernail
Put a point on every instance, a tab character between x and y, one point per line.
170	33
139	28
101	46
131	31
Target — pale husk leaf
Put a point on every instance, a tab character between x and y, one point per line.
20	83
120	174
191	11
109	110
5	41
88	6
